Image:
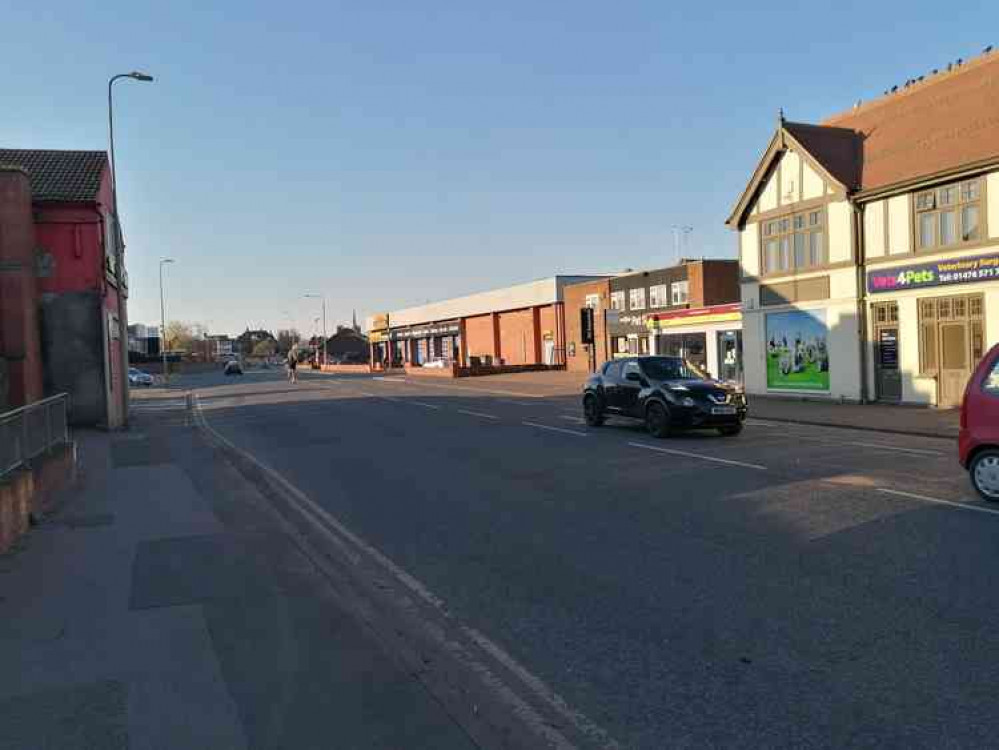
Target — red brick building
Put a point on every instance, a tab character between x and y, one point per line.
626	308
72	257
520	326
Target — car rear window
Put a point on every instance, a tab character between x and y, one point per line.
991	382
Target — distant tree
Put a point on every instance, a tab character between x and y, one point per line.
179	336
265	348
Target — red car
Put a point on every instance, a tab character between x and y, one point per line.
978	444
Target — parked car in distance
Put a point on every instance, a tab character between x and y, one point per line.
138	377
232	367
666	393
978	440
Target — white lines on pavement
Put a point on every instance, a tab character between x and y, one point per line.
701	456
516	403
883	447
564	431
477	414
567	418
764	423
425	405
951	503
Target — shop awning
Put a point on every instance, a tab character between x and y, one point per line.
712	314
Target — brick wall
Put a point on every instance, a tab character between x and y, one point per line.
19	340
517	337
577	356
479	336
720	282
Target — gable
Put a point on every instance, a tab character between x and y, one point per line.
791	180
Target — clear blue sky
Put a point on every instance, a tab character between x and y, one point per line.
391	152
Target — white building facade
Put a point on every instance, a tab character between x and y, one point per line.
869	247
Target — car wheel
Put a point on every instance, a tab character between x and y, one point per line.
984	472
592	412
730	430
657	420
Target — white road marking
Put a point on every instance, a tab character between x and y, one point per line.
425	405
476	414
516	403
418	381
883	447
698	455
951	503
564	431
764	423
566	417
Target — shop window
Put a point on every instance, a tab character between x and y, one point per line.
680	292
636	299
659	295
593	301
621	344
949	216
794	243
617	300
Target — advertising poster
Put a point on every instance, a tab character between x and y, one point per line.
797	351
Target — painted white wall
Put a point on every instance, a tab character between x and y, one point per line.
749	249
874	229
812	185
843	284
899	235
790	179
754	352
840	232
992	192
768	197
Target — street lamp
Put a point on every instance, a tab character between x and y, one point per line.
163	262
323	298
119	244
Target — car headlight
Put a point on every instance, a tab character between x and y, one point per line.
687	401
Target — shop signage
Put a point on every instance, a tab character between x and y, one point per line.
888	349
940	273
586	325
379	321
449	328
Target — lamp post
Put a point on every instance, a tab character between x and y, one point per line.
119	244
163	262
323	298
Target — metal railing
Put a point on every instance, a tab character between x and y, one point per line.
31	430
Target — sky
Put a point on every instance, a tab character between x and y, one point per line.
393	152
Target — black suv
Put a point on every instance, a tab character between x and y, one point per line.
665	392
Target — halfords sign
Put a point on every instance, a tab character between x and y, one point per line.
449	328
941	273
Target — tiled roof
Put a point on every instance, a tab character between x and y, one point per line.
836	149
941	124
59	175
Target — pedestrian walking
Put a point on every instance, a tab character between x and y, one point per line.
293	366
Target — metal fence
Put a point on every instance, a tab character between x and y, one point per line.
29	431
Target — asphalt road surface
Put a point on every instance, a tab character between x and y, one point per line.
791	587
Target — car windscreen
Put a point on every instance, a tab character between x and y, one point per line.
669	368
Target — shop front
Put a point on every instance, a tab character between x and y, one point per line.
627	334
708	337
428	344
930	325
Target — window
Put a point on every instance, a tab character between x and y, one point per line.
991	383
612	370
617	300
680	292
948	216
636	299
794	243
621	345
631	366
659	295
593	301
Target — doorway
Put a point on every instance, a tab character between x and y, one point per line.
888	377
730	356
952	337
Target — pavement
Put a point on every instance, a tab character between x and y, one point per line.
363	561
165	606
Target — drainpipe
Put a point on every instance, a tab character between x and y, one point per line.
860	260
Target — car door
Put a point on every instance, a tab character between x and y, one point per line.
630	386
611	380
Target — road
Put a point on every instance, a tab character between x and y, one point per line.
791	587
